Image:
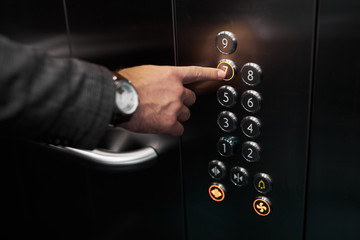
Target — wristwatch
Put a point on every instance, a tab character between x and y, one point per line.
126	100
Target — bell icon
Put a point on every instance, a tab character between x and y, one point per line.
261	185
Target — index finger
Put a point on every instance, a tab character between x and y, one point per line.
195	74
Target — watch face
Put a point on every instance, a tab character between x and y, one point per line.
126	97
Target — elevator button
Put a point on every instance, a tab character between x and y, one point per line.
217	192
262	206
251	151
226	42
251	74
227	121
226	146
217	169
239	176
227	96
229	68
251	126
250	100
262	183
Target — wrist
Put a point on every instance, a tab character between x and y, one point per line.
126	100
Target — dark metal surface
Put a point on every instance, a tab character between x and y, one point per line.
278	36
333	196
50	195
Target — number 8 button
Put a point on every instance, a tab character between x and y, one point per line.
251	74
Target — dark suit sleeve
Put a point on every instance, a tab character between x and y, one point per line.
55	100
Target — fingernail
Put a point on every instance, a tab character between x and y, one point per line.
221	74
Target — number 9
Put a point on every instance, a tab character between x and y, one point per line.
225	42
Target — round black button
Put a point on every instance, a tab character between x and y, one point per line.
251	74
217	169
239	176
262	182
226	42
250	151
227	121
250	100
229	68
226	146
227	96
262	206
251	126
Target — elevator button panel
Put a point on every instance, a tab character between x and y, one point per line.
240	126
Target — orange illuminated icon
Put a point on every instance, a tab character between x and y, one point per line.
216	193
262	206
228	67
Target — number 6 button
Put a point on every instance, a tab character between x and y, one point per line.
250	100
251	126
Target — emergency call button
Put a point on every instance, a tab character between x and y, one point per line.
217	192
229	68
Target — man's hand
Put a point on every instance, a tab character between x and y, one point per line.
164	101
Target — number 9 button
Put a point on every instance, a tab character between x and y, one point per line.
226	42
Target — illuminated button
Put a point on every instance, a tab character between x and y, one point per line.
217	169
239	176
251	151
250	100
226	42
262	183
251	126
251	74
229	68
226	145
227	121
262	206
217	192
227	96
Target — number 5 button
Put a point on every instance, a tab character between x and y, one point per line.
227	96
